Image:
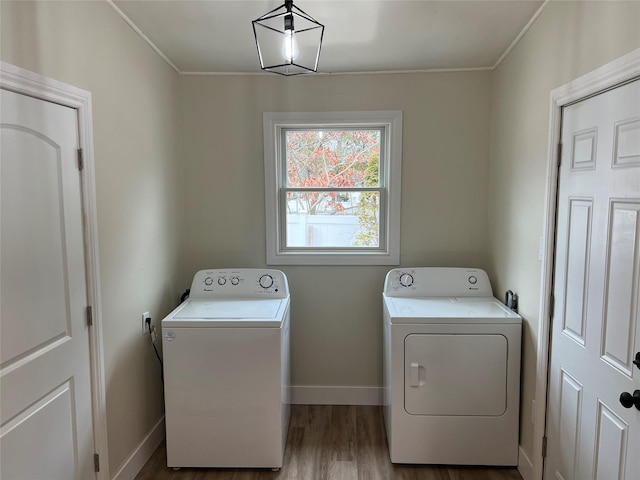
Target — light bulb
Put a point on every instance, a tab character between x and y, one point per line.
289	46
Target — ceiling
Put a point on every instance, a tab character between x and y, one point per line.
216	36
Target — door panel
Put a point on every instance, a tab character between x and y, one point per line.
32	237
570	408
455	374
46	428
576	268
611	444
622	286
627	150
23	435
596	288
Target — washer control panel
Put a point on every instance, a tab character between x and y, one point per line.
244	283
437	282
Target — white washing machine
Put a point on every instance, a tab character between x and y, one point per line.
226	371
451	369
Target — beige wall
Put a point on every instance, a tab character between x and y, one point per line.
135	112
337	311
471	196
568	40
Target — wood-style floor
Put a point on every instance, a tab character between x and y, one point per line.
331	443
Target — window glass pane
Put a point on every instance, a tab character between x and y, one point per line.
332	158
333	219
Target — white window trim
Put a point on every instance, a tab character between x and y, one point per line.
273	122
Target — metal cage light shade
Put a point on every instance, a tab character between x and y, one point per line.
288	40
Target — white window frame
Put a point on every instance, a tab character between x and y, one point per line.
390	183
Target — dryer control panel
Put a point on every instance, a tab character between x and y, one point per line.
239	283
437	282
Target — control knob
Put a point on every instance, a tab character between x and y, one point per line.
406	280
266	281
222	280
235	280
208	281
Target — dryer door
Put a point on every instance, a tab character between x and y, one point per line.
455	374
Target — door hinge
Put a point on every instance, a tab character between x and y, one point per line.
96	462
544	447
89	316
559	154
80	159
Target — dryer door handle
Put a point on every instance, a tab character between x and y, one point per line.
417	375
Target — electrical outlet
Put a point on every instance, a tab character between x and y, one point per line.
145	315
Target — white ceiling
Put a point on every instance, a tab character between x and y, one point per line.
216	36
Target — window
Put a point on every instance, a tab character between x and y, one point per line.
332	185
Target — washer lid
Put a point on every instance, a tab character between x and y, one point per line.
228	313
449	310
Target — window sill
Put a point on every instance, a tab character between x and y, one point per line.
322	258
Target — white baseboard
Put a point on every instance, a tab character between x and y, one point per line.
323	395
132	465
525	467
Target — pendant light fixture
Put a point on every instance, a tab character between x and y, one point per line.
288	40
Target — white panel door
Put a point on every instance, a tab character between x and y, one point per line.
595	334
46	429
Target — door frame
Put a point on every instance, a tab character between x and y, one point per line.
23	81
600	79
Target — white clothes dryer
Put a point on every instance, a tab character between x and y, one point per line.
451	369
226	371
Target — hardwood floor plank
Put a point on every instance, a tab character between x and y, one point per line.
299	416
291	461
314	451
330	443
372	453
343	470
480	473
343	433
